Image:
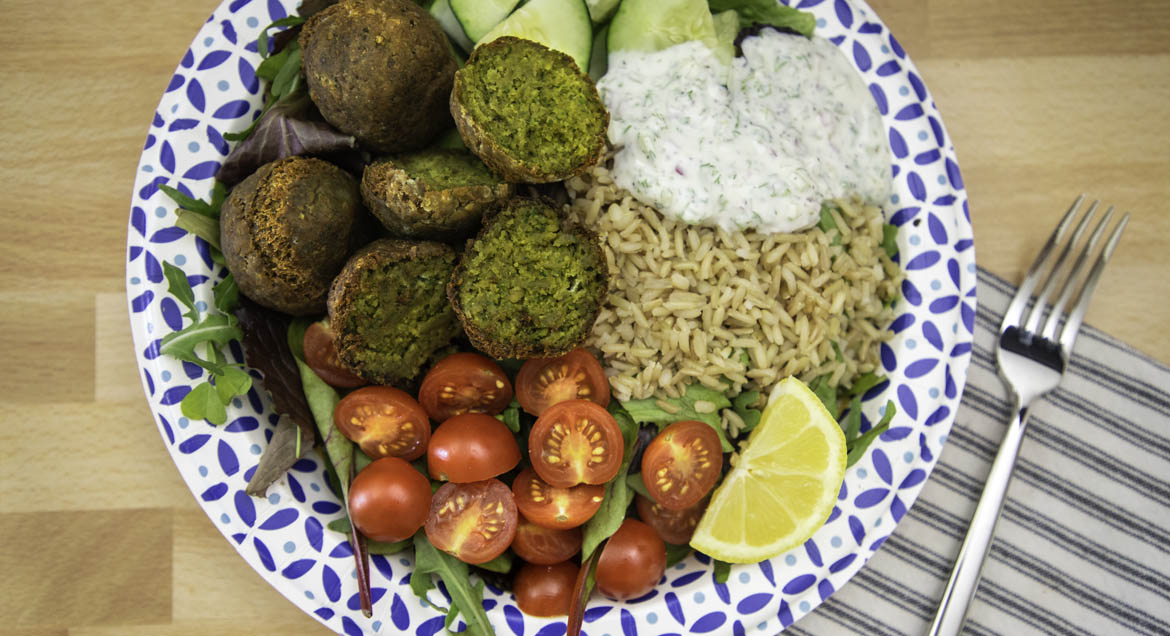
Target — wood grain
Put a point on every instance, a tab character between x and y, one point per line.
99	536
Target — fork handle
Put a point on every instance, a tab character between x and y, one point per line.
952	610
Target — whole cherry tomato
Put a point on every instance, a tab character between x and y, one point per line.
577	375
473	522
576	442
545	590
464	383
632	561
681	465
471	447
545	546
389	500
384	421
321	356
674	526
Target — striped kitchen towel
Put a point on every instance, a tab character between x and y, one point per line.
1083	543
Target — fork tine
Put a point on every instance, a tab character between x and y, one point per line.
1073	325
1011	317
1066	290
1033	320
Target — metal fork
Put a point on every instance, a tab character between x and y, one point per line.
1032	360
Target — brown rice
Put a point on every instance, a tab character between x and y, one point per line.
733	311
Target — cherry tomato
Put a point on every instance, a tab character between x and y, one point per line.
389	500
471	447
464	383
632	561
473	522
384	421
681	465
545	590
552	507
674	526
577	375
545	546
321	356
576	442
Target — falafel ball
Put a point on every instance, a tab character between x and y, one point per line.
531	284
380	70
528	111
434	194
286	231
388	308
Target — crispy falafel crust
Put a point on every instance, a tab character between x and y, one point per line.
528	111
415	206
286	231
389	310
531	284
380	70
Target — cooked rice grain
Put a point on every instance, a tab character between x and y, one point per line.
737	311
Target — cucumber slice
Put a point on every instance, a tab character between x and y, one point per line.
479	16
601	10
726	28
653	25
441	9
563	25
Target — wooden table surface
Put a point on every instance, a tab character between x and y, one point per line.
99	536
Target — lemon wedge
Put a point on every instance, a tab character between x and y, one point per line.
784	484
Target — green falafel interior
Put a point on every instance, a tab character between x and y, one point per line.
446	169
531	284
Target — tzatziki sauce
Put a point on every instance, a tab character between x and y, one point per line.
760	144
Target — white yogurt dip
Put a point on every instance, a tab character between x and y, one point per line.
759	144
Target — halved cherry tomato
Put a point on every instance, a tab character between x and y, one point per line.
321	356
632	561
471	447
545	546
681	465
674	526
473	522
552	507
545	590
384	421
464	383
576	442
389	500
577	375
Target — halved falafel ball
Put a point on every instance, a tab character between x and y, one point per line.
287	229
528	111
388	308
434	194
380	70
531	284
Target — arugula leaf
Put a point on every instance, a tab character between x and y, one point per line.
232	382
635	483
262	42
501	564
859	445
742	404
890	239
185	202
465	599
511	416
226	294
865	382
203	403
768	12
827	222
852	422
618	495
322	399
827	395
375	547
204	227
676	553
179	287
214	329
649	410
722	570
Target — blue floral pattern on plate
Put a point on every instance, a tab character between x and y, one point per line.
214	90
